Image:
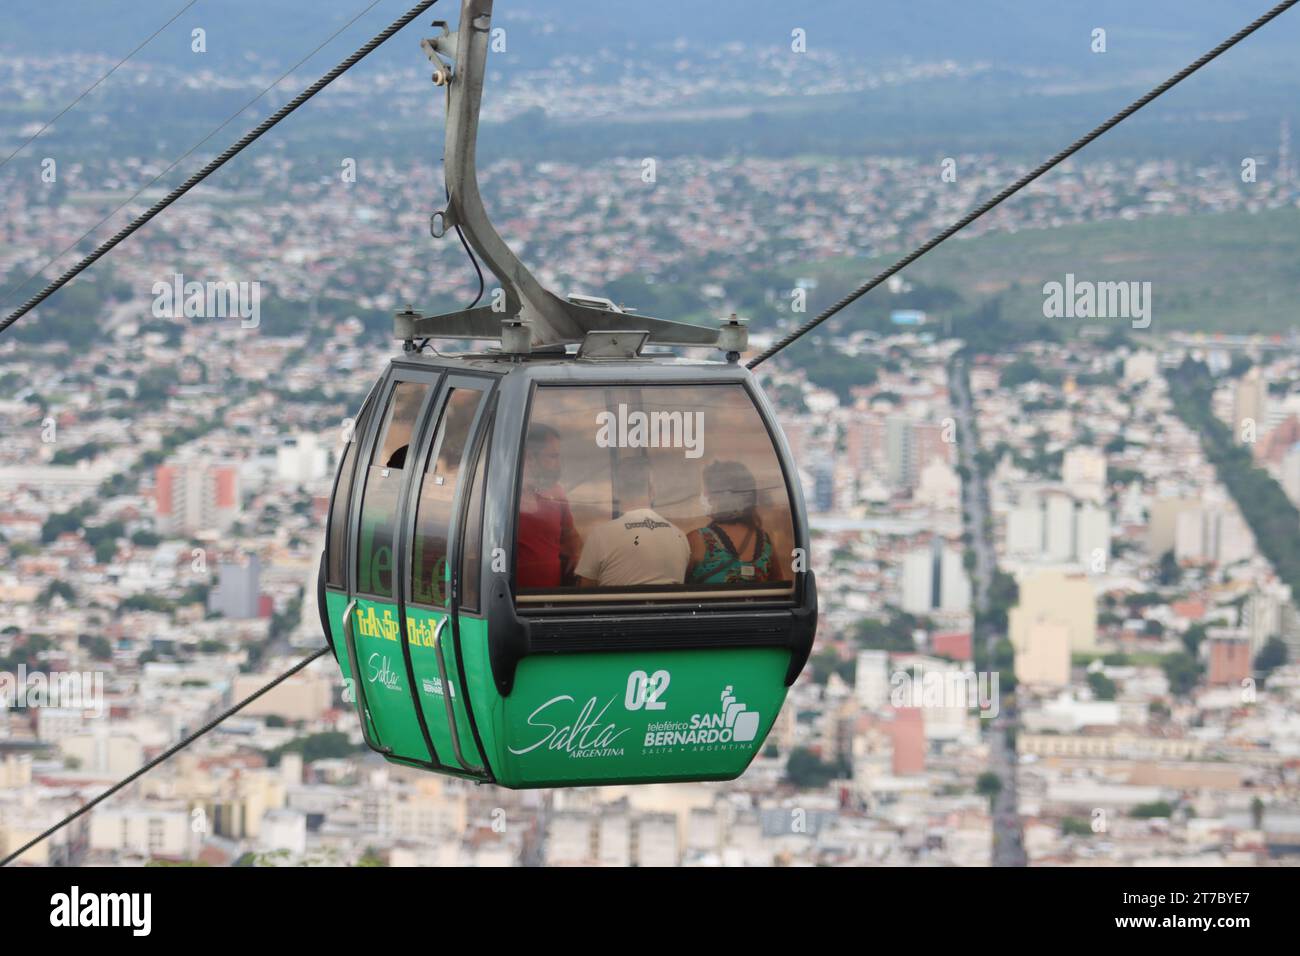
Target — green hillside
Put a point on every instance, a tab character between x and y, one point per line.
1235	272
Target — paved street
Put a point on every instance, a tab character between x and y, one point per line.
1008	839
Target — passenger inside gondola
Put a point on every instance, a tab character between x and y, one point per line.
732	548
408	397
640	546
548	539
647	509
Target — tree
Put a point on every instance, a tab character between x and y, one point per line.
1271	515
146	602
893	634
1271	656
834	370
322	746
827	662
105	551
1004	594
806	769
988	784
1158	808
1103	688
56	589
1169	573
1019	372
28	653
99	646
1193	637
1073	826
1182	670
59	524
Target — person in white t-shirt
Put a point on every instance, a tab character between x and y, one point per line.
638	547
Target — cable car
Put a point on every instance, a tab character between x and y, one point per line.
573	558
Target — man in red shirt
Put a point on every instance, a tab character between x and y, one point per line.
548	541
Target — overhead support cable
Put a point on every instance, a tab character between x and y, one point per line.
90	89
230	153
1019	184
165	755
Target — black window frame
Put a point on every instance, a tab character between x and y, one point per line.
395	378
478	470
333	533
480	429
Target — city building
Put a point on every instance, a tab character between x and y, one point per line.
934	579
196	495
237	594
1049	597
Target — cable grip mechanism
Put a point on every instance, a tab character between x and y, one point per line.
441	52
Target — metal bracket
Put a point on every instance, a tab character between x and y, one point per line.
551	320
613	345
441	52
733	337
442	222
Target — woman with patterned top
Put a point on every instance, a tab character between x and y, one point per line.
732	548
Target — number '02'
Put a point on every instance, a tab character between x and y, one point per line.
643	691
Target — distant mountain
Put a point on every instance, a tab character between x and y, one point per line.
1022	30
1046	84
1044	33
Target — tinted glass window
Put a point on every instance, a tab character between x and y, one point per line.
340	507
429	573
383	488
339	516
399	425
659	491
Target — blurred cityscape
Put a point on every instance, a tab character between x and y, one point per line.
1056	567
